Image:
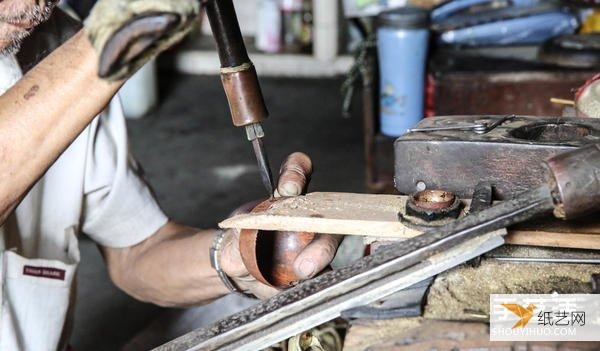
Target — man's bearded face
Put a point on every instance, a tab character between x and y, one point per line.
18	18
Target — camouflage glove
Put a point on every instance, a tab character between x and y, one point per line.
129	33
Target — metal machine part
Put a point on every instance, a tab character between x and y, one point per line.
570	181
433	205
240	81
430	208
392	268
478	128
508	156
483	197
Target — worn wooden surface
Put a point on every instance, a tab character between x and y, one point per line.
554	239
463	293
417	334
331	213
377	216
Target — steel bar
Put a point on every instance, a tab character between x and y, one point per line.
309	297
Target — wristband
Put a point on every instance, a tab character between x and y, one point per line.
215	249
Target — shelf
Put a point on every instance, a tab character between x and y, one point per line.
198	56
280	65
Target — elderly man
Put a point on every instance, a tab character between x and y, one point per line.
66	170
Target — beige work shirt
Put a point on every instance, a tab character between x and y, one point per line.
94	188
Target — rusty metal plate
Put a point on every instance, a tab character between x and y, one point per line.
508	156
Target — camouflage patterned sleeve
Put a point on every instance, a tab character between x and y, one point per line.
129	33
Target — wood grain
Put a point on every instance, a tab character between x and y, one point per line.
377	216
550	239
417	334
331	213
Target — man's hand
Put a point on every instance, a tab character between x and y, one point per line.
128	33
172	267
294	176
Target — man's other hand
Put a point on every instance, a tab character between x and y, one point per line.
294	177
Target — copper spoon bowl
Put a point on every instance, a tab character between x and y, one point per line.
269	255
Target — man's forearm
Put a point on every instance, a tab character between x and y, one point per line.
44	112
171	268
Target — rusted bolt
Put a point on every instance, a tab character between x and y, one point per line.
432	205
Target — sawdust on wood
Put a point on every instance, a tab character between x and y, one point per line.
331	213
463	293
413	334
365	333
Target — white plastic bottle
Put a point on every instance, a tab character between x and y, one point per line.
268	26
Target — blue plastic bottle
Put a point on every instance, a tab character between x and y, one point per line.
402	39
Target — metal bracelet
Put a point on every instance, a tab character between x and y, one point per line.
215	249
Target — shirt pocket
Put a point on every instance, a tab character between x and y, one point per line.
36	296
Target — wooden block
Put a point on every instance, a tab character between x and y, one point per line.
330	213
377	216
550	239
